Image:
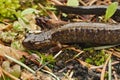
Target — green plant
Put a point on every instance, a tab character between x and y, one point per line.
43	57
8	37
110	10
47	58
8	8
96	57
17	45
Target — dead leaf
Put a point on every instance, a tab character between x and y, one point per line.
11	52
5	27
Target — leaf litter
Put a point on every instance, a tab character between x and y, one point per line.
71	63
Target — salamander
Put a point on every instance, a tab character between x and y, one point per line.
85	10
78	32
81	32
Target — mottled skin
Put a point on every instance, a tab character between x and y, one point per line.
82	32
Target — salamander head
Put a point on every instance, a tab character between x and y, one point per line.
41	41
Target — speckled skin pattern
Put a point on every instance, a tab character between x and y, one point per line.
81	32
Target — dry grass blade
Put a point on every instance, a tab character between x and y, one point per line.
101	66
84	63
115	53
11	52
50	13
104	67
68	75
115	76
20	63
8	74
44	65
57	78
83	3
90	66
1	74
56	2
91	2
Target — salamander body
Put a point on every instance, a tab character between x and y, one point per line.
81	32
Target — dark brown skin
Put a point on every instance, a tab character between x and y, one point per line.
93	33
85	10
